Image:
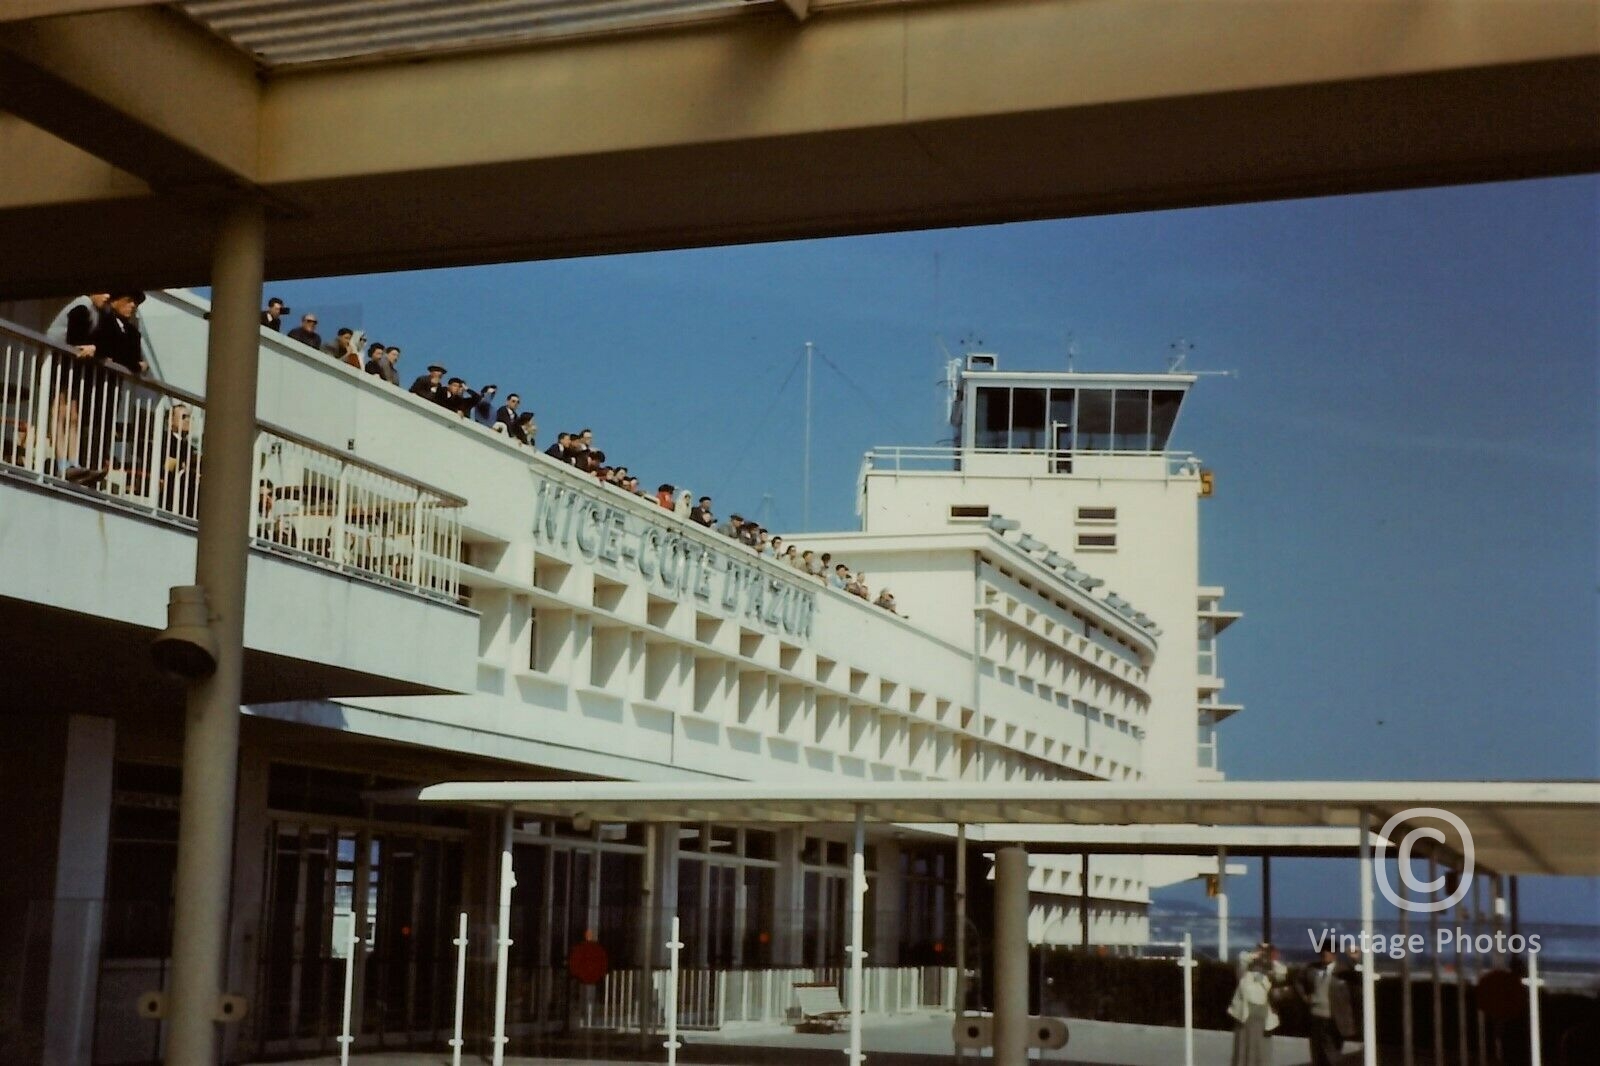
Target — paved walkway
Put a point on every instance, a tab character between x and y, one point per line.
909	1040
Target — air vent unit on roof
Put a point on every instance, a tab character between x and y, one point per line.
981	361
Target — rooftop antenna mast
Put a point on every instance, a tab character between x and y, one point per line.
805	477
1072	350
951	380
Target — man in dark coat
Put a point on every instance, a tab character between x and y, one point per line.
431	385
272	317
507	413
458	398
116	337
306	333
1327	1000
180	465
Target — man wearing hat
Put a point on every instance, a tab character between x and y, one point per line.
306	333
116	336
431	385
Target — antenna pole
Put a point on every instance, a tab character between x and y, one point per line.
805	477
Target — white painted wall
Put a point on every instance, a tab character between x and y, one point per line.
69	552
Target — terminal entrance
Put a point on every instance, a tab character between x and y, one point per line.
402	889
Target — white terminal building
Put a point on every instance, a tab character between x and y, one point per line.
428	602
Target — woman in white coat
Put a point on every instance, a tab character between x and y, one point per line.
1252	1013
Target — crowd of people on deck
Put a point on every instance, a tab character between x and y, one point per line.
577	449
103	329
382	361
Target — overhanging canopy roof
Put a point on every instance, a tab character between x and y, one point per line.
433	133
1516	827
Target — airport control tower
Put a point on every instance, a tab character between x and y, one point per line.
1079	469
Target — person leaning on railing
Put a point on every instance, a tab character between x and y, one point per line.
84	401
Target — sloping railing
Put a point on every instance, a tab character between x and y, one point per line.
79	424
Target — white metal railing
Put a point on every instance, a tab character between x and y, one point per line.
710	999
70	421
941	458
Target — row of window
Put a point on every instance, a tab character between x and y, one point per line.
1123	420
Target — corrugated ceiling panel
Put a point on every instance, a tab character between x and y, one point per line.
282	32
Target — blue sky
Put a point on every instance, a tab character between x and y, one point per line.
1406	460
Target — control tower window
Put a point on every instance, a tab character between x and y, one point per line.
1094	419
1133	421
994	418
1163	413
1028	418
1061	411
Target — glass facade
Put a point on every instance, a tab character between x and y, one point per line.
1020	418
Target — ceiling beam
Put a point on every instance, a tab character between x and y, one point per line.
22	10
876	118
145	90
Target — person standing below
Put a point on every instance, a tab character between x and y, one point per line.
1327	999
1251	1010
272	317
306	333
430	386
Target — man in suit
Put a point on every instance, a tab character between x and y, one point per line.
507	413
1327	1000
180	464
431	385
272	317
116	336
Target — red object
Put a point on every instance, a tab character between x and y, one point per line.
587	962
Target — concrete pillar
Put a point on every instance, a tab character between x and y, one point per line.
961	923
1408	1028
788	890
249	874
889	907
211	727
1083	904
1222	905
1266	898
1010	957
82	839
1369	1005
857	948
1435	988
